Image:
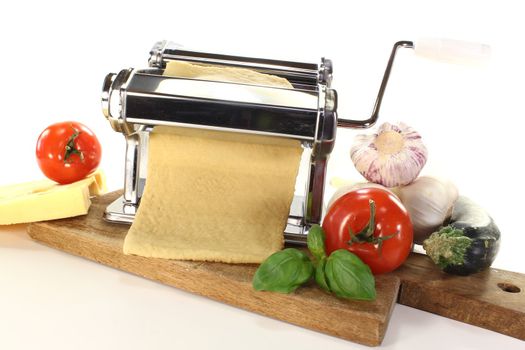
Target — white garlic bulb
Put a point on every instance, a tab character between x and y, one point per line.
429	202
349	187
394	156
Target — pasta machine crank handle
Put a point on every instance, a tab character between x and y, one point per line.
444	50
366	123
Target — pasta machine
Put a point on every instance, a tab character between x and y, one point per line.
136	100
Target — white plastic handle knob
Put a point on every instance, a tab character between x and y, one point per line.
453	51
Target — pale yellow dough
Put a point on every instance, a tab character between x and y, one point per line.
222	73
213	195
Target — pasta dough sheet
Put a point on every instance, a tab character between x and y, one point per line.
214	196
223	73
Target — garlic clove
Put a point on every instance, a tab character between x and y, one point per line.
429	201
350	186
394	156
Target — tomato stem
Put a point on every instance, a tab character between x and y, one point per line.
366	235
70	147
370	227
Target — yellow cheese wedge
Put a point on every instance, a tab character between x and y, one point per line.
96	182
46	200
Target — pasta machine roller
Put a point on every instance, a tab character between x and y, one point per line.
136	100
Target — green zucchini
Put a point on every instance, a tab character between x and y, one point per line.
467	243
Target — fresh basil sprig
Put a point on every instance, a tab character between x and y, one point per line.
320	275
349	277
315	242
283	271
342	273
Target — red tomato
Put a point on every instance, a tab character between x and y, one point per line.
391	234
67	152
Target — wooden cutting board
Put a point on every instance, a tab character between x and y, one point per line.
489	299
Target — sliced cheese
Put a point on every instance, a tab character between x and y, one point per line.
46	200
97	183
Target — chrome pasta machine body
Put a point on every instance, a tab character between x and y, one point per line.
136	100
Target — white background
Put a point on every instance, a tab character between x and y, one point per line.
54	57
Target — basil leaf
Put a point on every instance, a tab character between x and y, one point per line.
349	277
320	276
315	242
283	271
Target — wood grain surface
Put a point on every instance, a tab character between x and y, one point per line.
91	237
493	299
